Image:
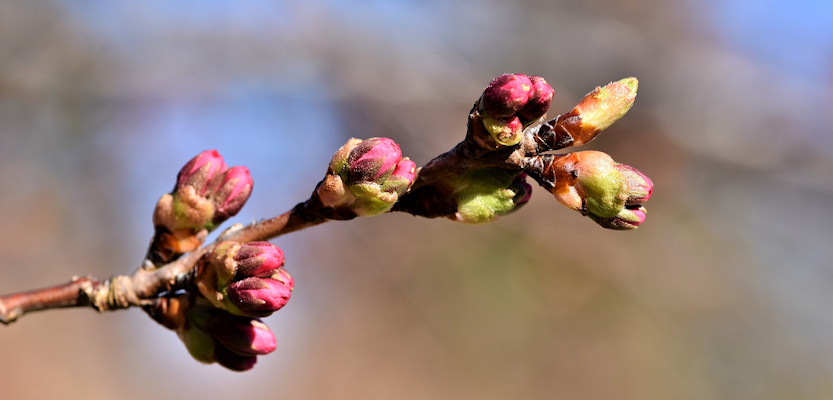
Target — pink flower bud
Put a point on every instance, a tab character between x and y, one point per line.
639	185
629	218
505	131
371	160
258	296
232	194
539	100
201	171
242	335
506	95
260	259
402	177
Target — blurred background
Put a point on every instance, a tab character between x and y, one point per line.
724	293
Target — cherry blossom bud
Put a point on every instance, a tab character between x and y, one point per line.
258	296
604	106
366	177
639	185
372	159
506	95
629	218
402	177
539	102
232	194
201	171
596	112
242	335
506	131
592	183
484	195
260	259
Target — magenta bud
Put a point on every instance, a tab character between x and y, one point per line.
232	360
372	159
242	335
506	95
639	185
260	259
283	276
629	218
201	171
233	192
539	102
401	178
259	296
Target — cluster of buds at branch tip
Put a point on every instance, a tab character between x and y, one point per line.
508	104
245	279
366	177
207	192
485	194
590	182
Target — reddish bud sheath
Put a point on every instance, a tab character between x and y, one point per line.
259	296
233	192
506	95
201	171
260	259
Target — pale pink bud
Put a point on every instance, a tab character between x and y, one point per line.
372	159
233	192
539	100
402	177
258	296
506	95
201	171
260	259
242	335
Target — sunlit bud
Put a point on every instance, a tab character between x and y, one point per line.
260	259
598	110
232	360
629	218
402	177
539	102
258	296
506	95
505	131
592	183
366	177
639	185
371	160
232	194
338	164
242	335
485	194
283	276
201	171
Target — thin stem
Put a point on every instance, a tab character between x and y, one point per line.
144	285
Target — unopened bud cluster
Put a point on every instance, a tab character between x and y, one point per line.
207	192
213	335
245	279
610	193
510	103
366	177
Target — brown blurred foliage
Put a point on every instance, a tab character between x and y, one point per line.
724	293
